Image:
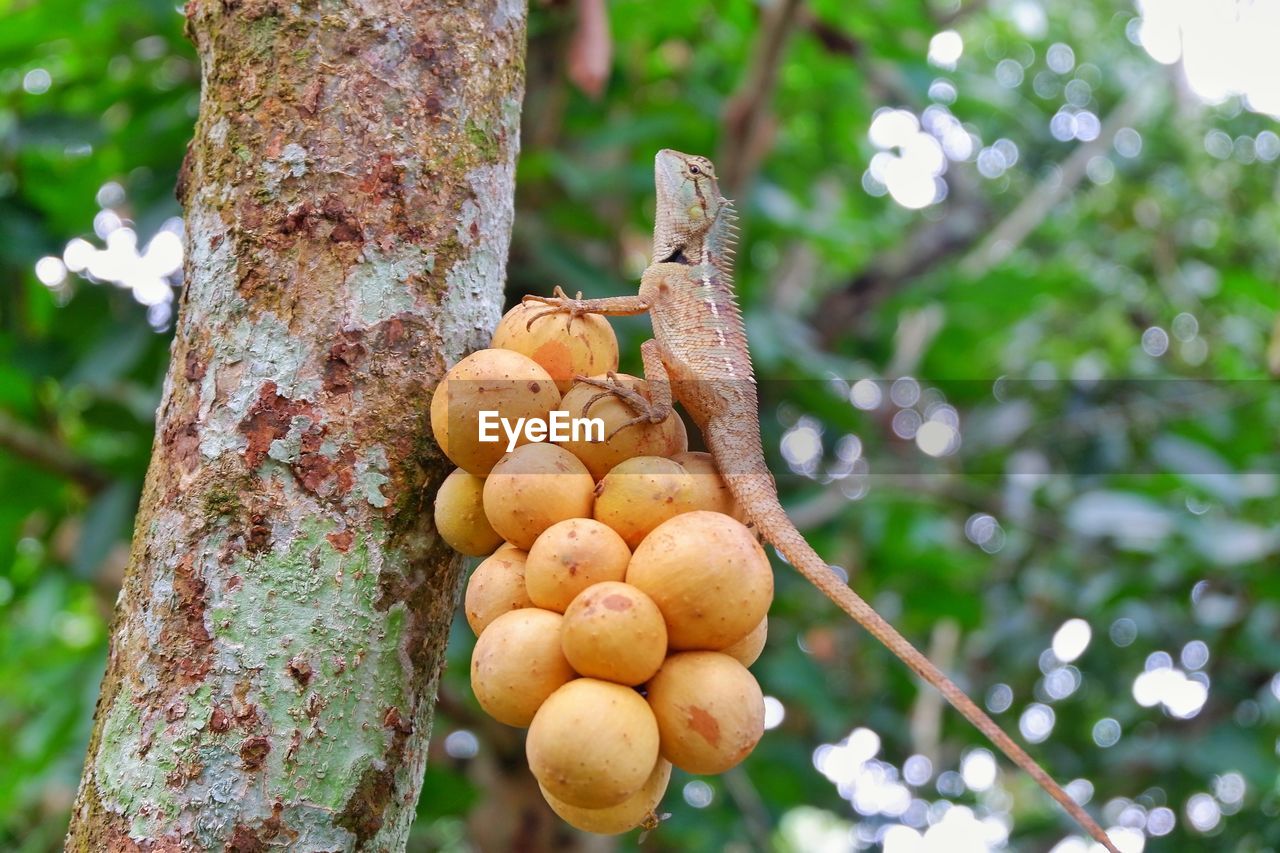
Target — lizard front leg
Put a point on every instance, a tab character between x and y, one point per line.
576	306
655	409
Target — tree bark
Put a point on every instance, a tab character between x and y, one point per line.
279	638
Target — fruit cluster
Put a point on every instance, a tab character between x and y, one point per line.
623	598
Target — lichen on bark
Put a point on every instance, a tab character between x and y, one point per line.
279	638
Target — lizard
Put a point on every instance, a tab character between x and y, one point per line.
698	356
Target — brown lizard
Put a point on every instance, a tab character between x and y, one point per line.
699	356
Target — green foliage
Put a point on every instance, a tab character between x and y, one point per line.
1093	480
79	366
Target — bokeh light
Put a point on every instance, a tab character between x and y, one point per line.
1226	47
151	274
1071	639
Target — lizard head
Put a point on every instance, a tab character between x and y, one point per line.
689	205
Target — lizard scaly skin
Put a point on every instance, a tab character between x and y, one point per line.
699	356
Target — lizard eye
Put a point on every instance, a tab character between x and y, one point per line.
694	170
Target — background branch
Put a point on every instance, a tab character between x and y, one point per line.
928	245
1036	206
932	241
45	451
748	123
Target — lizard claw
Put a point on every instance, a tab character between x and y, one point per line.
645	412
650	417
559	302
611	386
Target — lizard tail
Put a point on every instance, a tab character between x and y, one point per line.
756	493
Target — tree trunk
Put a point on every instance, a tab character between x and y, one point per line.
279	638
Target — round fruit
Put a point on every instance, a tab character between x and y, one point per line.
642	492
707	574
496	380
747	650
615	632
507	546
564	345
570	556
460	518
532	488
709	489
517	663
592	744
710	711
664	439
496	587
639	809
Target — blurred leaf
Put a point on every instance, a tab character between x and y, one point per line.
105	522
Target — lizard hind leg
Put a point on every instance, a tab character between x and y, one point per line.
653	410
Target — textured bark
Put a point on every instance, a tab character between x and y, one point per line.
279	638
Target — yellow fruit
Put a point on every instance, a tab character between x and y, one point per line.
664	439
497	380
642	492
460	518
639	809
709	489
517	663
565	346
614	632
592	744
496	587
570	556
709	577
532	488
507	546
747	650
709	709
